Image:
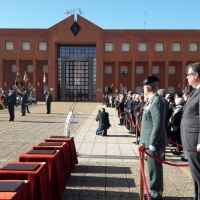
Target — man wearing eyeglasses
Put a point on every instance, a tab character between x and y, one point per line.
190	130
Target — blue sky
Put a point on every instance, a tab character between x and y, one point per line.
107	14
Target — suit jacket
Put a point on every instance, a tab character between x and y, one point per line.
190	132
153	123
49	98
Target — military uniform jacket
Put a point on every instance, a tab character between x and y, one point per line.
153	123
11	99
190	132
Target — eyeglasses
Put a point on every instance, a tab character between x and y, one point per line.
189	74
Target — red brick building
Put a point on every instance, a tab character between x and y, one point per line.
81	61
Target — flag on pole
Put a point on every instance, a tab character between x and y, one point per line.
38	84
179	85
25	77
29	84
112	85
5	84
120	85
44	78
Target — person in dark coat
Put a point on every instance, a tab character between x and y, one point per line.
49	99
121	110
104	124
11	101
190	126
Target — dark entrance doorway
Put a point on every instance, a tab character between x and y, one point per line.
77	80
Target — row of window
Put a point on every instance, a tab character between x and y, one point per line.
25	46
125	47
138	89
29	68
159	46
139	70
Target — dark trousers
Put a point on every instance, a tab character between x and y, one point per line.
155	173
194	163
23	109
11	112
27	108
48	107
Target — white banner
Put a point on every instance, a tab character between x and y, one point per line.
67	123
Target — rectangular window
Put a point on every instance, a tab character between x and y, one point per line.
42	46
142	46
171	89
139	89
9	46
26	46
139	69
123	89
155	69
109	47
30	68
13	68
45	88
108	69
172	69
193	46
124	69
125	46
159	46
45	69
176	46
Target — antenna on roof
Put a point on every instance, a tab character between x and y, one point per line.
74	12
145	18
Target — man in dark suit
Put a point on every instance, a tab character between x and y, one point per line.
190	129
49	99
11	101
104	124
153	134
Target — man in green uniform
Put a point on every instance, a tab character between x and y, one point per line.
154	134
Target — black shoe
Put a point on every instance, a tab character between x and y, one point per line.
29	112
184	159
22	115
178	153
120	124
10	120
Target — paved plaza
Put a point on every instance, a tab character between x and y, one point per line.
108	167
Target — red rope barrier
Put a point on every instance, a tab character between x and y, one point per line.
159	160
143	173
170	141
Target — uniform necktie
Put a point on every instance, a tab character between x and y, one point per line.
193	91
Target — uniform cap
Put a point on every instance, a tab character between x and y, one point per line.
150	79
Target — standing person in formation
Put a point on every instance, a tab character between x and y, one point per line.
24	101
154	135
11	101
49	99
190	126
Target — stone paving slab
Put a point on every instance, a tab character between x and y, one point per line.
108	166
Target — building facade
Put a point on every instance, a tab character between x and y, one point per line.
81	61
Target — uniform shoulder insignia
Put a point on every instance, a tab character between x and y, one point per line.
151	101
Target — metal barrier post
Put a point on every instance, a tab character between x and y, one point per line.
141	179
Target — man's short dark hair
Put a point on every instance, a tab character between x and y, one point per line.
195	67
130	92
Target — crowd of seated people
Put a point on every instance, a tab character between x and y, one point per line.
130	106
